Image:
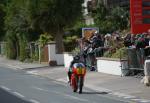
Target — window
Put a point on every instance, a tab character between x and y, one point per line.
146	4
146	20
146	12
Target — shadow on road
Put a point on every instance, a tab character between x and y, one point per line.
6	97
102	93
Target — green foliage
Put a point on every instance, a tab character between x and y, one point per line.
101	19
17	24
26	19
101	13
76	29
23	50
70	43
76	51
108	54
53	16
79	24
120	18
120	53
106	26
35	56
73	33
44	39
16	18
111	20
70	39
2	15
11	51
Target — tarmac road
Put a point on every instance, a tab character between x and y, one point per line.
17	86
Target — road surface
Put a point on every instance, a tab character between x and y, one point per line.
17	86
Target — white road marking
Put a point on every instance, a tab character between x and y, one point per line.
14	67
73	97
5	88
62	80
145	101
126	96
110	93
117	94
18	94
135	99
40	89
32	72
129	97
57	82
34	101
121	95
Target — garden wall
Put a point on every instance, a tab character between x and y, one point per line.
112	66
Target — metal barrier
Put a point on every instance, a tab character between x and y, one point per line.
136	57
132	58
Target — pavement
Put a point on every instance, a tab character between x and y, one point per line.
16	64
127	87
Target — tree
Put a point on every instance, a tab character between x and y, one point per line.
17	26
26	19
101	12
2	15
53	16
112	19
120	18
12	45
102	19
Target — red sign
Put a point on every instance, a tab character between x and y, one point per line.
140	16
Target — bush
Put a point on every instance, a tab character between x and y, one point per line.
10	50
35	56
24	51
44	39
11	45
107	54
120	53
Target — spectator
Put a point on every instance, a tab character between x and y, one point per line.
147	41
127	40
140	41
107	42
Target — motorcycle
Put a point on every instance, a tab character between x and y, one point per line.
77	77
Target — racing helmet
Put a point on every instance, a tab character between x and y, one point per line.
76	58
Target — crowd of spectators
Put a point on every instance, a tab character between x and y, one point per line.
97	44
100	42
138	41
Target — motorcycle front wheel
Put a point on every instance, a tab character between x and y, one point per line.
80	81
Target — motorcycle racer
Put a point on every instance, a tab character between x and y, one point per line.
76	59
